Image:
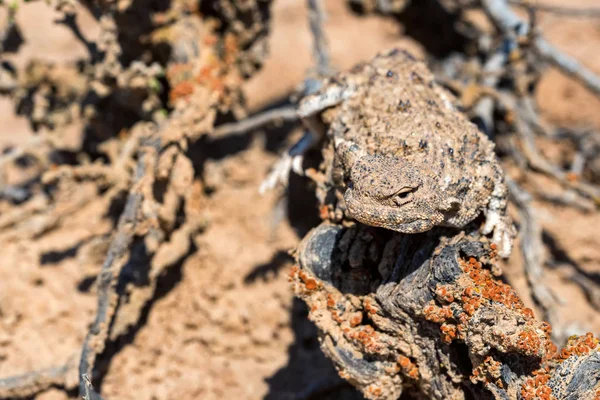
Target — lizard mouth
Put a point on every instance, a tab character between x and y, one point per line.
399	219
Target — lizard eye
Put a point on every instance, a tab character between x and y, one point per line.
403	196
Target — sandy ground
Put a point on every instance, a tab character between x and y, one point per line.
225	324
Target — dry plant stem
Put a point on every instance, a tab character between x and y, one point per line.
32	382
568	198
283	114
582	12
532	248
538	162
316	16
511	25
485	107
90	393
529	112
116	258
535	158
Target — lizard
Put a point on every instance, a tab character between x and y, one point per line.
404	157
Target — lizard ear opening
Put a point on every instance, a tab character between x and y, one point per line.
451	204
349	151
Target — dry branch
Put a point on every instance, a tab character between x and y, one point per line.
316	17
532	248
33	382
424	315
283	114
107	298
578	12
513	27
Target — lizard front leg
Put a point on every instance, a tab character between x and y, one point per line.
309	111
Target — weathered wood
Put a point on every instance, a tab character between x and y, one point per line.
426	314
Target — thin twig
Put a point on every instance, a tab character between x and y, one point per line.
107	279
567	198
529	112
316	17
585	12
285	114
485	106
538	162
90	393
532	249
513	26
30	383
535	158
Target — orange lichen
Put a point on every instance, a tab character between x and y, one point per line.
408	367
443	294
437	314
404	362
536	387
579	345
330	301
448	332
529	342
335	315
374	390
306	283
528	312
356	319
455	304
367	337
181	90
324	212
311	284
370	308
294	272
489	371
486	287
217	85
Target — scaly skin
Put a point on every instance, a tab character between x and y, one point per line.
407	158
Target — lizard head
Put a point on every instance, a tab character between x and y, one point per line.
392	193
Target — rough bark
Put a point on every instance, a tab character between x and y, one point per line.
426	315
